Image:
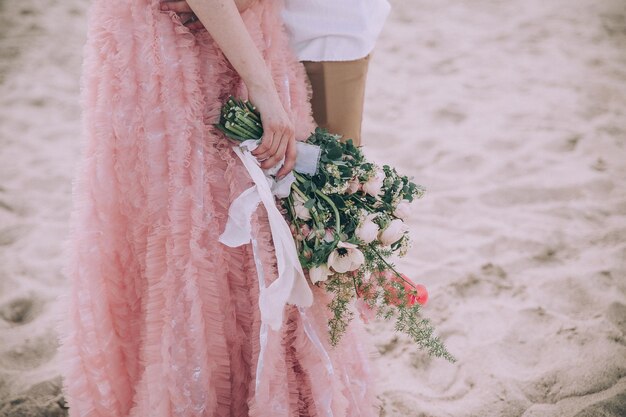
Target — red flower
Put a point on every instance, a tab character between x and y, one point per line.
414	293
421	297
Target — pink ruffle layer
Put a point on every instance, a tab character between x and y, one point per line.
161	319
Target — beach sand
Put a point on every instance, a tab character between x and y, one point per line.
511	113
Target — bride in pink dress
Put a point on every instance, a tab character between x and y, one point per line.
161	319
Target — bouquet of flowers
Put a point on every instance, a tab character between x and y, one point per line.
347	220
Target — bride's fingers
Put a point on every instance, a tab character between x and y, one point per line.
278	137
178	6
290	159
277	155
263	150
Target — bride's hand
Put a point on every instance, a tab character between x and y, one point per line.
278	132
181	7
224	23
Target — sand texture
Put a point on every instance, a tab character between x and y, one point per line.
511	113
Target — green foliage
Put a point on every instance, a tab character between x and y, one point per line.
339	306
421	331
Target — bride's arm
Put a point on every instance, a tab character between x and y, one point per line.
222	20
184	11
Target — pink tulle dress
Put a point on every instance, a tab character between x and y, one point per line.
160	318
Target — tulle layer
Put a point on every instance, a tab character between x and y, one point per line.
161	319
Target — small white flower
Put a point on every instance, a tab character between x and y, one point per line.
393	232
347	257
404	247
302	212
373	186
403	209
319	273
333	170
367	230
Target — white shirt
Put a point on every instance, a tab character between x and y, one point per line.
334	30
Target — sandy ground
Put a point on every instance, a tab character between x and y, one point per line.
511	113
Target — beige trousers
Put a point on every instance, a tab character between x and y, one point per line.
338	95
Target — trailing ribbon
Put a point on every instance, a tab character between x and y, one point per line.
291	285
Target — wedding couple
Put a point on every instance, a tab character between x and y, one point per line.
161	318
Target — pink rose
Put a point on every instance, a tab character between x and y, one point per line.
374	185
305	230
367	230
353	186
393	232
403	209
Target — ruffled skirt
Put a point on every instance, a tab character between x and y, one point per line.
160	319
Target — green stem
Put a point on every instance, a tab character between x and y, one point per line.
228	133
334	207
293	211
362	201
313	210
356	290
250	125
239	130
253	115
329	201
391	266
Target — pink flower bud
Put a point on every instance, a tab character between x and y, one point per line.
353	186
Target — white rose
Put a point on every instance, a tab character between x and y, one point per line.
302	212
347	257
403	209
319	273
374	185
367	230
393	232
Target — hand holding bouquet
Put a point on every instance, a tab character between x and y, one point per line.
347	220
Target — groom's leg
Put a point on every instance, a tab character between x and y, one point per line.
338	95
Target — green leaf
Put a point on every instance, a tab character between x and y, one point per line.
334	152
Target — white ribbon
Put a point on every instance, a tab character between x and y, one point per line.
291	285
